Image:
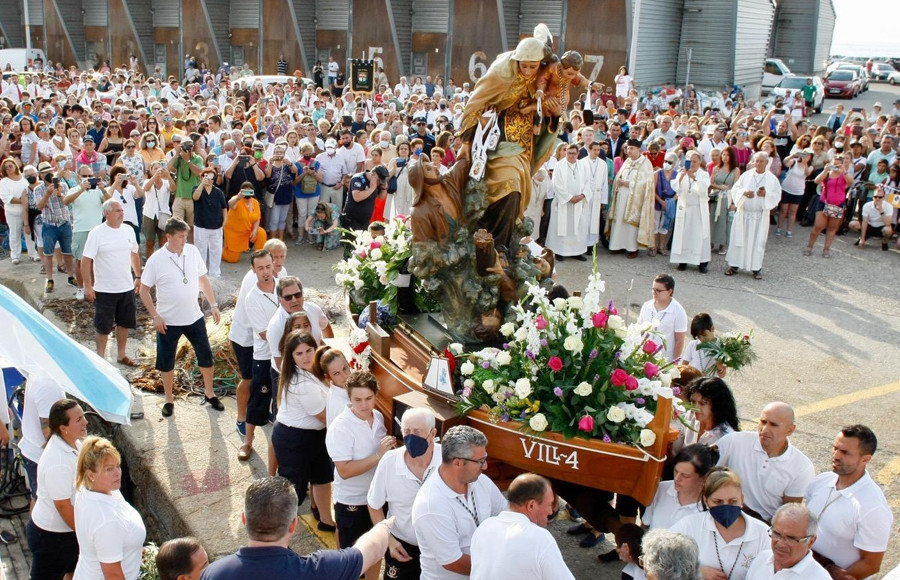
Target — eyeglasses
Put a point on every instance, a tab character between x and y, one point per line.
289	297
480	462
777	536
879	197
658	290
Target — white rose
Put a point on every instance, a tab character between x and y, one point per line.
648	437
615	414
538	422
621	333
498	397
665	379
521	333
615	322
575	302
488	386
468	383
508	329
358	284
559	303
573	344
467	368
523	388
503	358
584	389
375	254
456	348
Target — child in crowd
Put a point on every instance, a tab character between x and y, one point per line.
703	330
628	546
323	226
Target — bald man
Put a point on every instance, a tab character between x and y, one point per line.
773	471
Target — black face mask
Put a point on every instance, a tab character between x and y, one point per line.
32	179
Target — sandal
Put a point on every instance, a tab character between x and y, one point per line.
651	252
807	252
125	360
757	275
244	452
731	271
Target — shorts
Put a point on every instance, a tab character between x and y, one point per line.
184	209
791	198
302	457
113	309
397	570
78	241
61	234
244	356
352	522
151	231
873	232
31	476
260	401
53	554
167	344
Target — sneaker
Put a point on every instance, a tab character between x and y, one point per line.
8	537
79	294
72	281
789	235
16	261
299	242
48	287
215	403
241	427
777	232
168	409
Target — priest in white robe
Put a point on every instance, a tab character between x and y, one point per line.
568	232
595	187
754	195
631	218
690	236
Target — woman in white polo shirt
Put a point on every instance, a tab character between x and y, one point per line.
679	498
110	532
727	538
51	530
333	370
357	440
669	314
298	436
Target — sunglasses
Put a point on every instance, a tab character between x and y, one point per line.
290	297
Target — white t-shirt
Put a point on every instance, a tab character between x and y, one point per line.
109	530
177	282
671	319
351	438
12	189
763	568
738	552
111	249
352	157
445	522
156	200
126	198
397	486
259	307
878	219
699	359
87	210
302	400
56	482
665	510
765	479
509	545
851	519
40	393
317	320
338	400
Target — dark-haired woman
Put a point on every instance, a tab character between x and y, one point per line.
681	497
51	531
716	411
298	436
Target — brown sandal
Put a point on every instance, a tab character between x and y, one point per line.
244	452
125	360
731	271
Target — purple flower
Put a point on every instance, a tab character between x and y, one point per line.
508	394
486	365
504	417
676	390
543	342
618	354
529	354
466	393
596	378
610	305
594	353
522	414
557	391
505	346
606	438
641	401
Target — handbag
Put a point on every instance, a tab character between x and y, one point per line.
392	182
833	211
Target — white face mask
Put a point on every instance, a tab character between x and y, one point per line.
384	144
329	150
668	165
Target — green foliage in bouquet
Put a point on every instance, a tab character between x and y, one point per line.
734	350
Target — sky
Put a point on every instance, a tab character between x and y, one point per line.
866	28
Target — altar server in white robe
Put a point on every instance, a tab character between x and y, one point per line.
754	195
690	237
568	232
595	187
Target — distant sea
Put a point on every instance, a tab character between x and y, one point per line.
866	49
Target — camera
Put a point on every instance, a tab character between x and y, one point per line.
93	182
186	146
55	182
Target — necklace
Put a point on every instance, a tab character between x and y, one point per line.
181	267
465	505
827	502
719	558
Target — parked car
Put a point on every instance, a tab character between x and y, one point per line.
842	83
894	78
793	83
860	73
881	71
773	71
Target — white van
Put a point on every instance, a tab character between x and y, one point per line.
22	59
773	72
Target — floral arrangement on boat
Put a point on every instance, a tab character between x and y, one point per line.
570	366
734	350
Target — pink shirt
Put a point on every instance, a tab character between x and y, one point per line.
834	190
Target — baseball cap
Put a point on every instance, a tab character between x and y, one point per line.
877	104
381	171
258	145
330	143
87	138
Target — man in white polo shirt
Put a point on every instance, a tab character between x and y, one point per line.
290	297
854	517
516	543
397	480
331	170
773	471
178	273
259	304
793	533
668	313
452	503
110	255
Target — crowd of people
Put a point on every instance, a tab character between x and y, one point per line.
208	172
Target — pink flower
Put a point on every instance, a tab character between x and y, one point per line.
555	363
650	347
651	370
599	320
618	378
361	254
401	217
614	311
631	383
586	424
540	322
374	245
